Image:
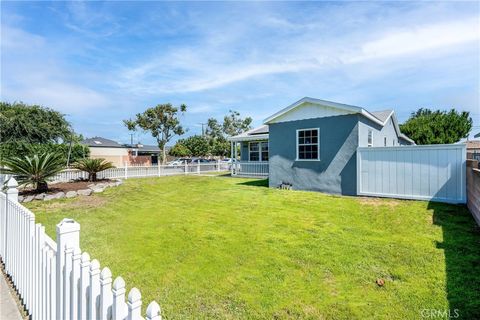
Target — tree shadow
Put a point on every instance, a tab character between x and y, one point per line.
461	245
255	183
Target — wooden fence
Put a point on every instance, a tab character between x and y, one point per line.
54	279
473	189
433	172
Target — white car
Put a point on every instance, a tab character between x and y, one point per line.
176	163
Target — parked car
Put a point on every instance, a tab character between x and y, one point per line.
228	160
201	160
179	162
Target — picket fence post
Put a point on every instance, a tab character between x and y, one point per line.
118	306
153	311
159	169
185	166
105	293
218	165
84	286
68	237
198	166
75	283
94	291
12	191
126	170
134	304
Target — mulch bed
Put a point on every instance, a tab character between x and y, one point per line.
63	187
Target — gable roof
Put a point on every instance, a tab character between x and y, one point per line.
382	115
379	117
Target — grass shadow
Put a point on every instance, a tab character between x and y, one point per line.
255	183
461	245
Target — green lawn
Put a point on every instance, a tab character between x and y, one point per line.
230	248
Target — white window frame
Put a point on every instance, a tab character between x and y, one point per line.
369	144
259	151
318	144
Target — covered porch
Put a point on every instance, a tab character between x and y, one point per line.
250	153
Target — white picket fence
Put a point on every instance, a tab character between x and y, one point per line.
250	169
55	280
140	171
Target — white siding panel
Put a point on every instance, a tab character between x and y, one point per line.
434	172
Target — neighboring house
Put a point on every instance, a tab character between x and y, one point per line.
312	144
473	149
119	154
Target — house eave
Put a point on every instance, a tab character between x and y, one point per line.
240	138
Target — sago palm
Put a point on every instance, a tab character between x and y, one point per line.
93	166
35	170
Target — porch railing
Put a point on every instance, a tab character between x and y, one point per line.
250	169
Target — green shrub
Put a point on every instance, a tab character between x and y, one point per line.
35	170
93	166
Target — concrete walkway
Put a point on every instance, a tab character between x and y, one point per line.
8	307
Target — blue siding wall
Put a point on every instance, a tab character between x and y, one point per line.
244	151
334	173
379	133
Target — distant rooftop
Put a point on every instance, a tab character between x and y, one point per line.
107	143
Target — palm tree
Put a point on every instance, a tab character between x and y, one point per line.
34	170
93	166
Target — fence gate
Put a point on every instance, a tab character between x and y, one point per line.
433	172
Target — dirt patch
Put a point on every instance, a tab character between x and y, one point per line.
377	202
63	187
80	202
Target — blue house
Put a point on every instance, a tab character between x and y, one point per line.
312	145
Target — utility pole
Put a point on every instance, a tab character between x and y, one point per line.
203	131
131	140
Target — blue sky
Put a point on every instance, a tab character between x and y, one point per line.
101	62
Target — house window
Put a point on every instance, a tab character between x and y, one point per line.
258	151
307	144
254	149
264	150
370	138
385	141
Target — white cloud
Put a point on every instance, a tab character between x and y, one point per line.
410	40
33	71
211	64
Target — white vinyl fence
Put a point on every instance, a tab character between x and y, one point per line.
54	279
140	171
433	172
250	169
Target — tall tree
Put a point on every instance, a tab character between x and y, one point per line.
234	125
32	124
162	121
32	129
437	127
197	145
218	133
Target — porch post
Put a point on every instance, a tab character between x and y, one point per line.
236	146
231	157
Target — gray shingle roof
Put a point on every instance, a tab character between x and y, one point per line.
101	142
382	115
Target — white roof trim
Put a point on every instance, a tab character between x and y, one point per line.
340	106
242	137
325	103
